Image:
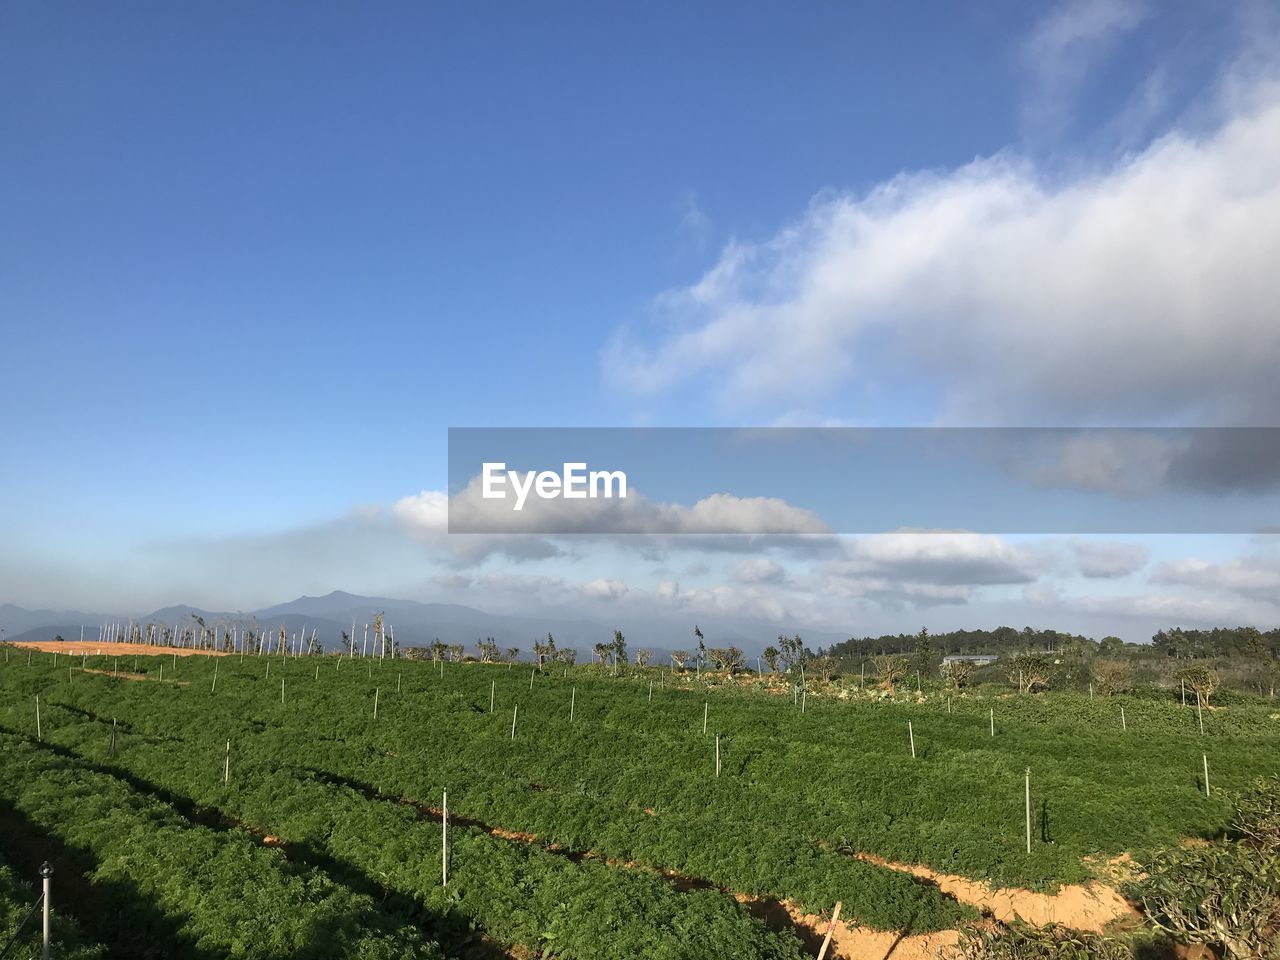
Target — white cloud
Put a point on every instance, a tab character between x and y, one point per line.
1062	49
1255	575
1101	559
1141	293
604	589
716	514
759	570
1156	608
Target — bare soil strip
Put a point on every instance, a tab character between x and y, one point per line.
76	649
1088	907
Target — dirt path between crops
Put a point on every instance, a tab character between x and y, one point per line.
75	649
1089	907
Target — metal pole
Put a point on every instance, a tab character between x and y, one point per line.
444	841
46	874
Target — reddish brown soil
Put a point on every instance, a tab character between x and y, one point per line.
78	649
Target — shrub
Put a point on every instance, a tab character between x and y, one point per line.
1226	895
1256	814
1113	676
1201	680
1021	941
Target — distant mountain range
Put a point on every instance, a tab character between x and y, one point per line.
414	623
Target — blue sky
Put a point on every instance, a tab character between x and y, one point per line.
257	260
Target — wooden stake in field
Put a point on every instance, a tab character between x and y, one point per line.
226	765
493	686
1028	809
1184	692
912	735
1123	725
444	839
282	691
993	721
397	683
161	673
268	669
573	696
38	736
651	691
531	673
717	755
1206	773
317	671
831	928
706	707
375	703
804	699
214	687
515	711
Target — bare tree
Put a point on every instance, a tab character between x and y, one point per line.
890	668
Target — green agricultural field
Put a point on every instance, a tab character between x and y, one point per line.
599	829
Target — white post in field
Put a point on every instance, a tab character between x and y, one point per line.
912	735
1028	809
444	840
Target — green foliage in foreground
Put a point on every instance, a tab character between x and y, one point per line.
631	779
16	900
1226	894
167	887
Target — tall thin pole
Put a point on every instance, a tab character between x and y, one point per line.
1206	773
492	688
38	737
375	703
912	734
46	874
717	754
573	696
444	840
1123	725
705	708
226	765
1199	714
993	721
1028	809
515	711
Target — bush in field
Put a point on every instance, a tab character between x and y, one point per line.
1202	680
1226	895
958	673
890	668
1113	676
1021	941
1256	815
1030	671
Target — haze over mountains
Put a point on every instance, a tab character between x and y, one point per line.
414	623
